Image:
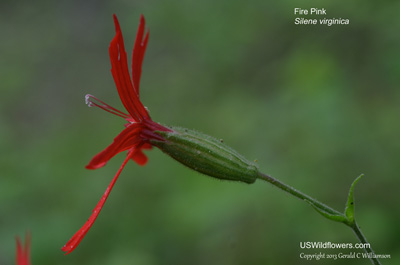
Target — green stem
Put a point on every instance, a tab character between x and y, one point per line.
367	246
326	211
298	194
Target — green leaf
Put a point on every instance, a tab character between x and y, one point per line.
349	211
337	217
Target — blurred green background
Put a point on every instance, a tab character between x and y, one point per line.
315	105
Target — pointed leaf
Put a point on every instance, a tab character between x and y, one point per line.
350	201
331	216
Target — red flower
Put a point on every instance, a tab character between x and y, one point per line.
140	129
23	253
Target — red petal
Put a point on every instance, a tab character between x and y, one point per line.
23	254
120	72
147	146
77	238
138	53
139	157
128	138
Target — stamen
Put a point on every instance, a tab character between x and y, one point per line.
89	101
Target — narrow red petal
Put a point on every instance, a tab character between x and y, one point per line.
77	238
120	72
128	138
139	49
23	254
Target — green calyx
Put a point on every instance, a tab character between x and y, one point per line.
206	155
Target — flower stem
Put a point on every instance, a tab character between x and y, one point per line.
326	211
298	194
367	247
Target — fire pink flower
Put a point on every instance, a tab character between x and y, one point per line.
139	130
195	150
23	253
